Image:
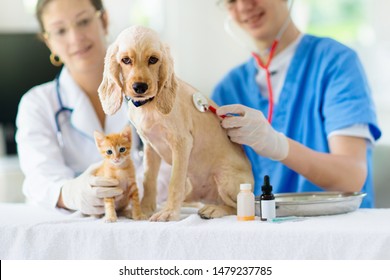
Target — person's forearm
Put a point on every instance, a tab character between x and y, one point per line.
332	172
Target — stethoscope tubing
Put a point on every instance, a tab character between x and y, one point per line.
61	109
257	58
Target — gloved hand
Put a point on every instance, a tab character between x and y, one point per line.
251	128
86	192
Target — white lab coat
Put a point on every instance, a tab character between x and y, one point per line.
44	162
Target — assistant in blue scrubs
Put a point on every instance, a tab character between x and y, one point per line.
323	108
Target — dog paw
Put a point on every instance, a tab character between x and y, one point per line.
130	214
126	213
165	216
148	209
215	211
140	217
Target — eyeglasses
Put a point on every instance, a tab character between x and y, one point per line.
227	3
82	25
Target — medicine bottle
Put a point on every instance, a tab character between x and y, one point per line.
245	203
267	201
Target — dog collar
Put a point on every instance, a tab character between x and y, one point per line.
138	103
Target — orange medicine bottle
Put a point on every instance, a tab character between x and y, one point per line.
245	203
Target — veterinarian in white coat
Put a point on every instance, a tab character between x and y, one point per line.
56	120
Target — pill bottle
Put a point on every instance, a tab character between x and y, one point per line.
267	201
245	203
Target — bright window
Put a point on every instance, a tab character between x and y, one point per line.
363	25
343	20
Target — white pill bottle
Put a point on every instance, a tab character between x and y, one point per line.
245	203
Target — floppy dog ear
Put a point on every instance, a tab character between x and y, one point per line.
110	90
167	83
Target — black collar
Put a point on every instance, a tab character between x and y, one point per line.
138	103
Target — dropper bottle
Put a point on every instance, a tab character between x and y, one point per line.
267	201
245	203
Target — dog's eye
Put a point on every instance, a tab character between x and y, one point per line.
153	60
126	60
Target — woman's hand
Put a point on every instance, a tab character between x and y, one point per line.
86	192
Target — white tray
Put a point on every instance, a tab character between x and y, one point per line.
315	203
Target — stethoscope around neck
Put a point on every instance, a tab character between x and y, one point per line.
61	109
271	52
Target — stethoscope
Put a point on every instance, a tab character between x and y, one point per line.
61	109
271	51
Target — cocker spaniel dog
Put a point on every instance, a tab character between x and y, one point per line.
206	165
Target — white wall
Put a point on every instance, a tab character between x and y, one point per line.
376	59
203	52
11	180
13	17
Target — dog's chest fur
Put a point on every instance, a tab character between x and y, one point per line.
152	130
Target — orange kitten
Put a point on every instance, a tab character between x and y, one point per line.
115	149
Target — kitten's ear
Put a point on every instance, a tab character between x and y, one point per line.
126	132
99	137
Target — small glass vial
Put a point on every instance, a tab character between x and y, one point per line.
245	203
267	201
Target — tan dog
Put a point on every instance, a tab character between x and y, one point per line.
206	165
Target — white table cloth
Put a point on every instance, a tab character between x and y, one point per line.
31	232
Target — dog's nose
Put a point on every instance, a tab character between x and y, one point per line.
140	87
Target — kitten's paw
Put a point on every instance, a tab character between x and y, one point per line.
165	216
110	219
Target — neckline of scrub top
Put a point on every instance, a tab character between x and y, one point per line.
286	92
279	65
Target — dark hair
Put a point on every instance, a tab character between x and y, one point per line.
41	4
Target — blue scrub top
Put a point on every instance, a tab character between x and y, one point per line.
325	90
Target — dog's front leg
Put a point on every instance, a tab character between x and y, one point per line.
152	163
181	149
